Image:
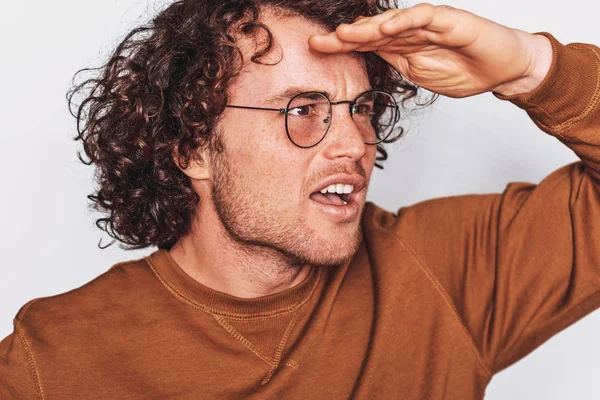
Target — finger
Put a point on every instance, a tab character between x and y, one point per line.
405	42
420	36
413	32
365	29
397	61
330	43
433	18
399	50
376	43
407	39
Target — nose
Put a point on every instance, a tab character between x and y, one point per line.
344	139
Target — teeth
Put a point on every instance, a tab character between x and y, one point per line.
339	188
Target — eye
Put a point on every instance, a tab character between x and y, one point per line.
301	110
363	109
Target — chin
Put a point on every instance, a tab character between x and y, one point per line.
328	251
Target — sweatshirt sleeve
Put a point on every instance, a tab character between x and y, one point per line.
522	265
18	377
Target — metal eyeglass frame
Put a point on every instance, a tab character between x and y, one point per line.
350	103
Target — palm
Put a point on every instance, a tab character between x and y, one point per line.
448	51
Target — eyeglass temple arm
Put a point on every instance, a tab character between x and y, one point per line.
281	110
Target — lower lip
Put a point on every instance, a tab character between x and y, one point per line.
342	213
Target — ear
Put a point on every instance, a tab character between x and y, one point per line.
198	168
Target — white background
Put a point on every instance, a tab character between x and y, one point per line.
476	145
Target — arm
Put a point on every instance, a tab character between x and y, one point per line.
521	265
566	103
560	225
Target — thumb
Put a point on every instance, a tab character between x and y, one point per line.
395	60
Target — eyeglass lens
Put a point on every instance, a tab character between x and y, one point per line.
309	117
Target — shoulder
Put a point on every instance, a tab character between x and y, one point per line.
434	216
100	299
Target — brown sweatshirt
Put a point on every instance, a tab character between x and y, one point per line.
440	296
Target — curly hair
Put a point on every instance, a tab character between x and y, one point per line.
163	89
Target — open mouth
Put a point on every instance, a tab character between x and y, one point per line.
330	198
335	194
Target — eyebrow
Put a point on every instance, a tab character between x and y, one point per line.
290	92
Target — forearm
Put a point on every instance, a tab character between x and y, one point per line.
540	56
566	104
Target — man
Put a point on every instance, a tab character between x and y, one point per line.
221	136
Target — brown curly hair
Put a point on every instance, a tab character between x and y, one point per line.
164	87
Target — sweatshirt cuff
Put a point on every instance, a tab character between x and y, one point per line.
567	91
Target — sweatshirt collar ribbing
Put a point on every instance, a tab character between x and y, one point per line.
193	292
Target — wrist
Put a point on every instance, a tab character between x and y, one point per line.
540	60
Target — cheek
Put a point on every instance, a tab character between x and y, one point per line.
257	134
368	160
266	160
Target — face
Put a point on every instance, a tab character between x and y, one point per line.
262	185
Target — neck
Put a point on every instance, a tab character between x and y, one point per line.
212	257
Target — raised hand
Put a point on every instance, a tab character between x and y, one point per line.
447	50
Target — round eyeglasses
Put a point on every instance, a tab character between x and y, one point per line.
308	116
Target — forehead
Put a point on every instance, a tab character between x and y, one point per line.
290	63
